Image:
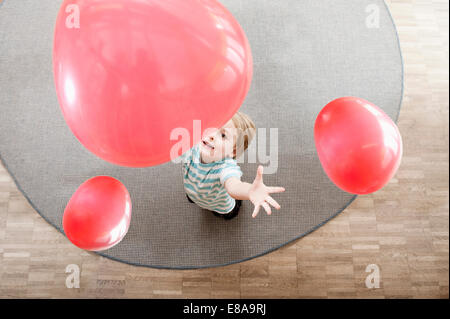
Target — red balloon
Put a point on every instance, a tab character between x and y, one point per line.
98	215
128	72
359	146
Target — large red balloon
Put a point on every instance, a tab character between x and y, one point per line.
98	215
128	72
359	146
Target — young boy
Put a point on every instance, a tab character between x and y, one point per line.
212	176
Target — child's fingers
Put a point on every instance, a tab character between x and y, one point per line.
275	189
260	169
273	202
267	208
255	211
259	174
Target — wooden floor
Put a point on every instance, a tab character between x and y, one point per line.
403	228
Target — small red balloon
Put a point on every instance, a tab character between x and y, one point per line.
127	73
98	215
359	146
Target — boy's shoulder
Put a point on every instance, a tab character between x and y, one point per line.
229	163
190	154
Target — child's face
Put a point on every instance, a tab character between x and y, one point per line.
217	144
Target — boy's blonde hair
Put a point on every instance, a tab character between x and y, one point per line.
246	131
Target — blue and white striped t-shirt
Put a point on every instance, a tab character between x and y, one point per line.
204	183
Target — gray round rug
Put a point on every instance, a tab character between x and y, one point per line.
306	53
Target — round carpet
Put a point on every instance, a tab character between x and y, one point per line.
306	53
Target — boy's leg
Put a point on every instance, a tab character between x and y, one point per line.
234	212
189	198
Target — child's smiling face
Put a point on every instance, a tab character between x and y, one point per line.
218	144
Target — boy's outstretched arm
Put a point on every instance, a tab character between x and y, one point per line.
257	192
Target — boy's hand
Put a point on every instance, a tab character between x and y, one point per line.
259	194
